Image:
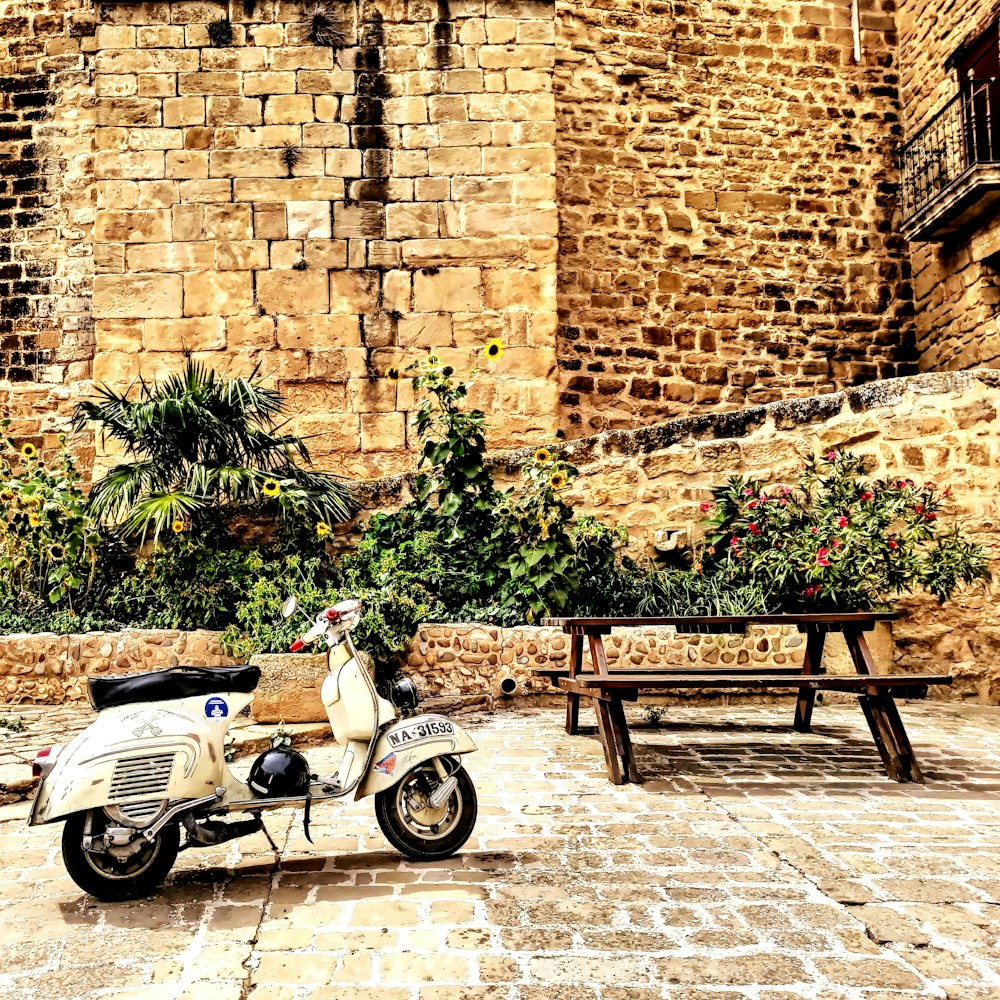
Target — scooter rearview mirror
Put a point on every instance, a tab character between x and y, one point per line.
289	608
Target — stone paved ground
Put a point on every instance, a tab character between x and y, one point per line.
755	863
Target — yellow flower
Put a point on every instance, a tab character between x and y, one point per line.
392	374
178	526
29	450
6	495
557	481
322	529
493	349
542	455
34	520
56	551
271	488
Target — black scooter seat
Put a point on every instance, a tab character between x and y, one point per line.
166	685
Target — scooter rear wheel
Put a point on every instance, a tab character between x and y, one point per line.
417	830
107	878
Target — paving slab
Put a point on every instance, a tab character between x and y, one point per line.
755	862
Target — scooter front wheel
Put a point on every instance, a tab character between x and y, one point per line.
110	879
418	830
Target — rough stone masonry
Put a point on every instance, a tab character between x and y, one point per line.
662	207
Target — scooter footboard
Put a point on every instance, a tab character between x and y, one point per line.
408	743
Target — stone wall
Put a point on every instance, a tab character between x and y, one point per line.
330	211
727	198
46	142
956	283
51	669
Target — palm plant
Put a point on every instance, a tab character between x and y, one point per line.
199	444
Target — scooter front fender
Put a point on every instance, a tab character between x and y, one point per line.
408	743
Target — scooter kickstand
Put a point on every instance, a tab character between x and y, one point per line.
270	839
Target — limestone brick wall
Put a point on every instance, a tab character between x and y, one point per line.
727	199
956	284
328	212
46	205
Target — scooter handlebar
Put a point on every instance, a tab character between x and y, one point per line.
296	646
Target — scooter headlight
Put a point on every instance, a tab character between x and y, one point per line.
404	695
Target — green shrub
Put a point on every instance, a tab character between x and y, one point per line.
48	539
836	540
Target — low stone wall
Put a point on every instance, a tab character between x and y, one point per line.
53	669
446	661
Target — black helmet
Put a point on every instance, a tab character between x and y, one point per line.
279	772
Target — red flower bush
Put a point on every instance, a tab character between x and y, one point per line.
837	540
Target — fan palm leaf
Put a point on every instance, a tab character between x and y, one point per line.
202	441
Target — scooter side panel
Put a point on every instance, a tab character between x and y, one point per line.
137	753
409	743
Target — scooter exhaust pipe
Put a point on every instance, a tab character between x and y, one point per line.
211	832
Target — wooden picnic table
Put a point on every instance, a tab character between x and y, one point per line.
608	689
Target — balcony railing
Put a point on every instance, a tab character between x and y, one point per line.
951	167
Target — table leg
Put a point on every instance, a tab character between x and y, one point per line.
883	736
624	740
811	665
606	732
907	757
897	758
573	700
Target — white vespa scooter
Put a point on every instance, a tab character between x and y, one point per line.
153	762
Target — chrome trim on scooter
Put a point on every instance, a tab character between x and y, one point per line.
153	830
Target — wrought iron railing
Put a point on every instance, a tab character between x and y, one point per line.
963	134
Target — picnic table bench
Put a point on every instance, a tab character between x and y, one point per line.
608	689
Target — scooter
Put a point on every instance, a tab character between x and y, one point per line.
153	763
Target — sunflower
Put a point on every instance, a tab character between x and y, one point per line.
322	529
557	481
56	551
392	374
543	455
178	526
34	520
6	495
29	450
493	350
271	488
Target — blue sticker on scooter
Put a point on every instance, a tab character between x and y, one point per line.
216	708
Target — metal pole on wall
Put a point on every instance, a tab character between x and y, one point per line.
856	28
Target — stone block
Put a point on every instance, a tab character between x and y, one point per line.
451	289
427	331
313	333
353	292
363	221
250	333
293	293
132	226
187	163
198	256
233	111
383	432
289	688
206	333
241	255
289	109
138	295
210	293
257	84
405	110
326	253
147	164
309	220
520	288
411	221
221	84
269	222
228	222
